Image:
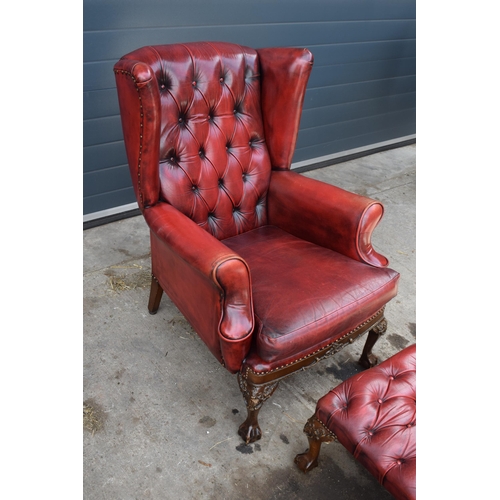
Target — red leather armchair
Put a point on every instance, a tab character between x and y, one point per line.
273	270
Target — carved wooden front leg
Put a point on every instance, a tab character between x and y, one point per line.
154	296
367	359
316	434
254	395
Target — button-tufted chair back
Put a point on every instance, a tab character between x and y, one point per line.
214	165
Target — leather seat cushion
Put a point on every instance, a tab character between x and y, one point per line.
373	415
306	296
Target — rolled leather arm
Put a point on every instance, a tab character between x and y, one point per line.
325	215
196	264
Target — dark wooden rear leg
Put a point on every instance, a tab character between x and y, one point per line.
316	434
154	296
367	359
254	396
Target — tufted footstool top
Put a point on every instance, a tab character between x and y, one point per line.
373	415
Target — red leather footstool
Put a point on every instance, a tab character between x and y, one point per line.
373	415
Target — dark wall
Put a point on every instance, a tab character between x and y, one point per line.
361	91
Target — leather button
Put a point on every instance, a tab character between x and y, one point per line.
380	401
193	84
221	79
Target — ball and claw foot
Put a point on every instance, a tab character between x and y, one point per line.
317	434
255	395
250	433
305	462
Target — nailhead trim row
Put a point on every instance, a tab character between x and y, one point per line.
139	188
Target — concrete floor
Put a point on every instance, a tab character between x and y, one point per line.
169	412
